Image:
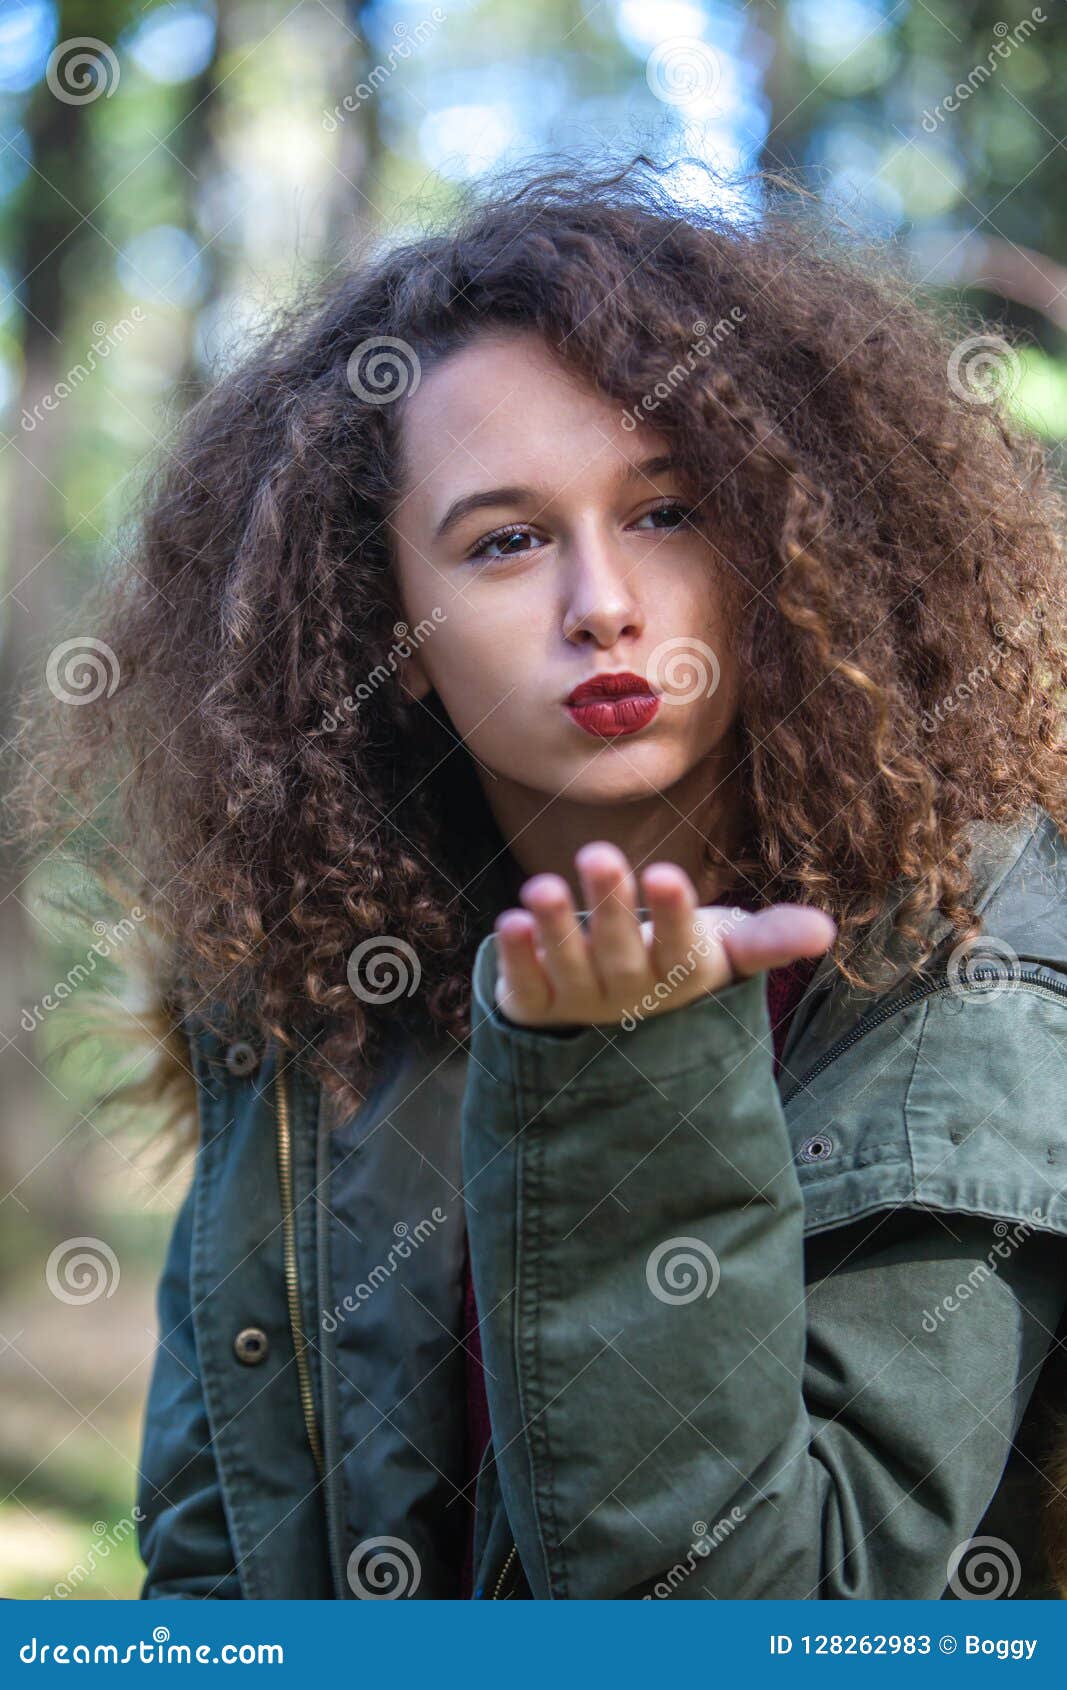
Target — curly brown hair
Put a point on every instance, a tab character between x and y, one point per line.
890	534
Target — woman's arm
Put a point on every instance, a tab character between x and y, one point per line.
829	1444
182	1532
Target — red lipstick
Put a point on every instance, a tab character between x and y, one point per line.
611	705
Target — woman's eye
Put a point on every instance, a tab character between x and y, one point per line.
504	543
501	544
678	515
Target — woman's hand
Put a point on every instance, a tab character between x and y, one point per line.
556	973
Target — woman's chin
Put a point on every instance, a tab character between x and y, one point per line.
621	776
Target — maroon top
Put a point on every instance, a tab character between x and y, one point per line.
785	987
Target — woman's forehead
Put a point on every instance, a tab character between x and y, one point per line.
508	412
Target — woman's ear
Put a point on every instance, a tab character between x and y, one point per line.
413	677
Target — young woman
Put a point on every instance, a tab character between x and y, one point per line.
585	710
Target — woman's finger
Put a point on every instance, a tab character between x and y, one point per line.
671	899
778	935
564	952
522	986
620	957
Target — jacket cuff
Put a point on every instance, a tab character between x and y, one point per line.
659	1048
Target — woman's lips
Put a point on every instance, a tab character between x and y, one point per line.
611	717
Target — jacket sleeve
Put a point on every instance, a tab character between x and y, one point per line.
680	1405
182	1533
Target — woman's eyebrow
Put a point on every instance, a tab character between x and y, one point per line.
468	502
476	501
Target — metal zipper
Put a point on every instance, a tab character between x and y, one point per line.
329	1424
292	1279
488	1456
512	1552
934	983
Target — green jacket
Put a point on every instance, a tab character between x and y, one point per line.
744	1336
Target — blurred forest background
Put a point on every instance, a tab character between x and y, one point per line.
170	171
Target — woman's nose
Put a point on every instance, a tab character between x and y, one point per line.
599	599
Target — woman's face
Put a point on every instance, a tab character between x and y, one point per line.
596	572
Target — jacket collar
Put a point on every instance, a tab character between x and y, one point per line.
1020	891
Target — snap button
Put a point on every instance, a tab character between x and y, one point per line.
816	1148
250	1345
242	1058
